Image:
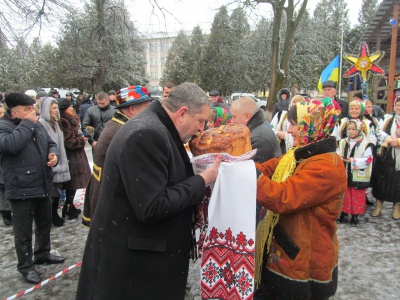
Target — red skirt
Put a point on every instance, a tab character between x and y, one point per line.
354	202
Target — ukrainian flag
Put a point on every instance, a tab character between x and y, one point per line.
331	72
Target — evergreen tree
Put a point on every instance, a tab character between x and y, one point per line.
260	56
178	68
101	48
197	43
214	63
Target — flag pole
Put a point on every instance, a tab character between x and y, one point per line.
340	60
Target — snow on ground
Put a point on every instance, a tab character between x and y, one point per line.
369	263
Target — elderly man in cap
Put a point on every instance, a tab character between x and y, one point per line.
216	100
28	154
329	90
130	101
141	234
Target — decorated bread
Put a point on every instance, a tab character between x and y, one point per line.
233	139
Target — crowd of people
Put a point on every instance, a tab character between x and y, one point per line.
315	161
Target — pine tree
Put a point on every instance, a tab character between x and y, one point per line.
178	68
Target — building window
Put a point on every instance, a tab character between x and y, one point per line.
153	61
154	47
163	61
164	46
154	75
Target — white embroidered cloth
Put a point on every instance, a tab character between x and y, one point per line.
227	267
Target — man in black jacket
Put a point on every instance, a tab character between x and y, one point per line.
97	116
27	156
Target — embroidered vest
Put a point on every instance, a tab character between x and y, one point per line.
361	177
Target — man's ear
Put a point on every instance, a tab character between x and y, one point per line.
182	111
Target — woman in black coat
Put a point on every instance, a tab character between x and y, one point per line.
77	161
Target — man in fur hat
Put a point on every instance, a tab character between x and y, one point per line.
130	101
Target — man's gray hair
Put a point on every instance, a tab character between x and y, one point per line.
187	94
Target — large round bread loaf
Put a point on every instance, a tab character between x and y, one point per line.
233	139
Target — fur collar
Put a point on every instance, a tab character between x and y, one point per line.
165	119
320	147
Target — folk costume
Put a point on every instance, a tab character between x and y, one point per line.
369	129
358	172
127	96
296	244
140	237
223	116
386	171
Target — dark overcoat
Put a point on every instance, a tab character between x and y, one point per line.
93	188
263	138
75	147
140	235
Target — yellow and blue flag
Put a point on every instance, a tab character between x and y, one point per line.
331	72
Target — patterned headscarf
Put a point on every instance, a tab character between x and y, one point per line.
316	119
360	105
359	125
223	116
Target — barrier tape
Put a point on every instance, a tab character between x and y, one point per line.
39	285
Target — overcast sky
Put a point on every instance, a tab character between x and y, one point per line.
183	14
186	14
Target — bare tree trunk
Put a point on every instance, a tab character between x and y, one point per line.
276	73
280	62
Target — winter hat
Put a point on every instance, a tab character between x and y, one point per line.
329	83
214	93
41	94
31	93
64	103
111	92
132	95
15	99
358	95
316	119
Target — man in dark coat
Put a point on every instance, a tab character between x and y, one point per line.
216	100
97	117
245	111
130	101
140	236
27	156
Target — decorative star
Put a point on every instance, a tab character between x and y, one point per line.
365	63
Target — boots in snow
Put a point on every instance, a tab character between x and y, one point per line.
354	220
396	211
378	208
7	217
55	218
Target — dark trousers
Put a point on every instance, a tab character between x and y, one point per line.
24	212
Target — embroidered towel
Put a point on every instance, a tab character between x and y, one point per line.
227	267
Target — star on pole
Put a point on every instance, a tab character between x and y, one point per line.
364	64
